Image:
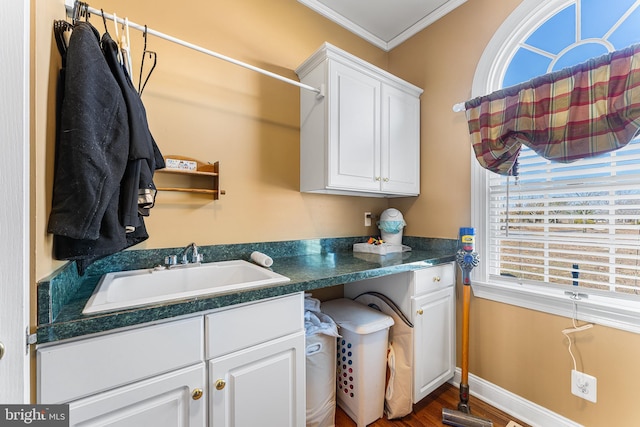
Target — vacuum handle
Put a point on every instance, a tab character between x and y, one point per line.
466	257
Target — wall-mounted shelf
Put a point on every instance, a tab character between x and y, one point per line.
204	179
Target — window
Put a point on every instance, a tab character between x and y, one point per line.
560	235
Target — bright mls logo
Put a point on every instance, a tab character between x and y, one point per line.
34	415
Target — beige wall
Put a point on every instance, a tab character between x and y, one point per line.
205	108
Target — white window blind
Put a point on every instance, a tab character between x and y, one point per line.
575	224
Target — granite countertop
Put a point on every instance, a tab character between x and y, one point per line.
310	264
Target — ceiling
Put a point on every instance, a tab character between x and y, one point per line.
384	23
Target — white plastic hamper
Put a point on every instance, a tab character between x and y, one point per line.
321	380
361	357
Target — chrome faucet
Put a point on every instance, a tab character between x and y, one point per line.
196	258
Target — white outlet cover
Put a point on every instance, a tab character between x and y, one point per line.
367	219
584	385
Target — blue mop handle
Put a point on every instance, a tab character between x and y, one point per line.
466	257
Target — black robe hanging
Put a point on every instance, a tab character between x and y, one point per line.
93	155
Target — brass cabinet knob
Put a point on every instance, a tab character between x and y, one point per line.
436	278
386	180
220	384
197	393
1	350
377	178
420	312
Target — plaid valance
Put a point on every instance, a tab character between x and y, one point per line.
583	111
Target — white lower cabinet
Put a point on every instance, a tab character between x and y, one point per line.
168	374
427	298
256	366
259	386
434	338
171	400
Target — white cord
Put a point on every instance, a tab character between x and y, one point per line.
575	328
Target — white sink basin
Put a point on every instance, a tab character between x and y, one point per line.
136	288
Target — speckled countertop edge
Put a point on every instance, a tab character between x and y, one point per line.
310	264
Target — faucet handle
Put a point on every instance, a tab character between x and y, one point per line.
171	260
197	258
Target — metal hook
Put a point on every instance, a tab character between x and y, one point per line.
75	13
145	37
104	21
153	55
80	9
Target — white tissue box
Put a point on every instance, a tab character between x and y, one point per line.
381	249
181	164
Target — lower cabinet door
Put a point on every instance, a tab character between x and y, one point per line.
174	399
434	340
262	385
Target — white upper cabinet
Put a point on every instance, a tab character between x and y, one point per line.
363	136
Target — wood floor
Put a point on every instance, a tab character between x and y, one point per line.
428	412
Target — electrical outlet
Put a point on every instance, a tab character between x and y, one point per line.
367	219
584	385
513	424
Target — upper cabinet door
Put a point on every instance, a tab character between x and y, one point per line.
354	130
400	142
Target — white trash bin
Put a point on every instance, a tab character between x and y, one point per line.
391	224
361	357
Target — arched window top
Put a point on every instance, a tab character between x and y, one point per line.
545	36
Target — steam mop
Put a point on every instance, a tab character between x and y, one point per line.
467	259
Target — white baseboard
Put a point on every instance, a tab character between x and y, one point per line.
520	408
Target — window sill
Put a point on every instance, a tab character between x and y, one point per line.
616	313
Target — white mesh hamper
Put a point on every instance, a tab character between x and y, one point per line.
321	380
361	357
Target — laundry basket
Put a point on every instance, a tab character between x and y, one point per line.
361	358
320	349
321	380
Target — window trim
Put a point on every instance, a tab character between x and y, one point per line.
613	311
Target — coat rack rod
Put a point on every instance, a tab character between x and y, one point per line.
71	5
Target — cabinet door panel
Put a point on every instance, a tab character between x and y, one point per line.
354	111
164	401
434	346
400	141
263	385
